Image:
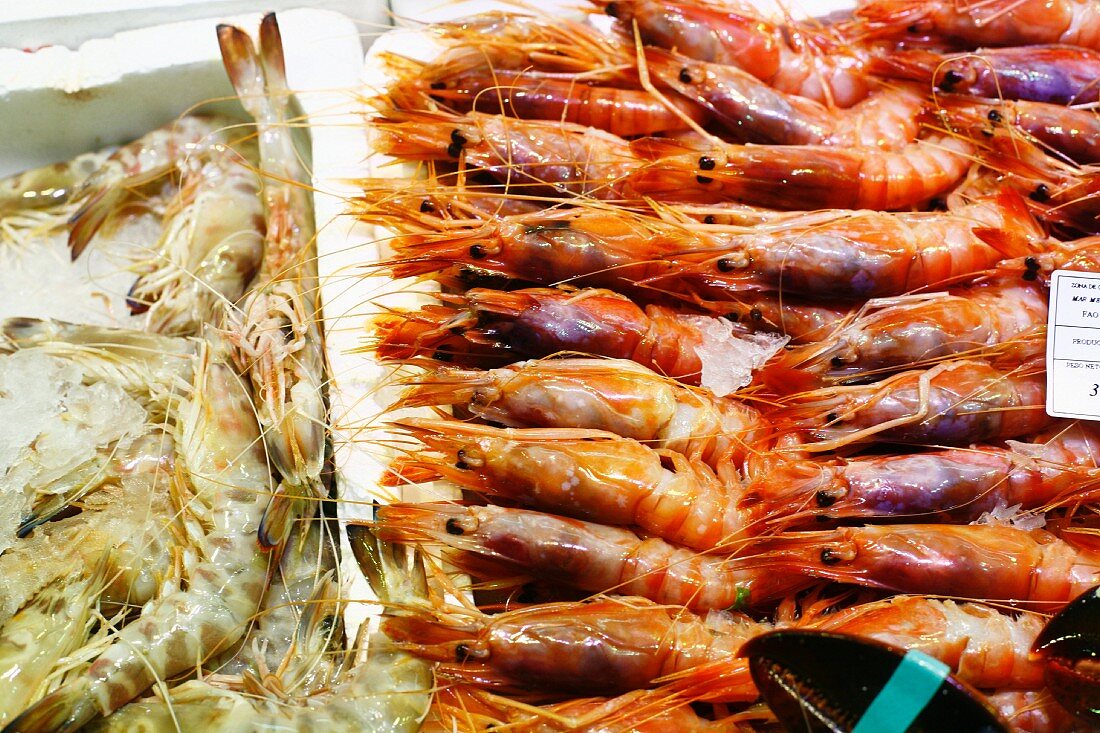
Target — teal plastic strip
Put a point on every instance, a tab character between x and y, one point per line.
905	694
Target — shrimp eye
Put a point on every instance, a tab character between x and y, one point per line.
756	314
685	76
732	316
1030	275
824	499
937	204
454	149
1041	193
461	465
837	361
706	163
831	417
462	652
458	138
1031	263
612	9
478	252
950	79
443	356
829	557
453	527
438	85
708	219
703	179
994	116
426	207
726	265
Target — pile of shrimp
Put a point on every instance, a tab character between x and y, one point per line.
731	323
186	575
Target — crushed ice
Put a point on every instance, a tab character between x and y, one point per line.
729	358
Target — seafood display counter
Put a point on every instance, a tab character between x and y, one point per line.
605	366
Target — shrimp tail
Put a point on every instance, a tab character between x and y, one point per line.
1020	234
394	574
68	709
286	507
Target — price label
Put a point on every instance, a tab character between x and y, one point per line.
1073	345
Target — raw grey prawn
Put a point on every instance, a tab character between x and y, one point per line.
277	331
616	395
530	157
586	474
987	22
640	642
219	441
957	485
895	332
210	249
373	686
954	403
982	561
801	177
753	112
591	557
173	148
540	322
795	59
1055	73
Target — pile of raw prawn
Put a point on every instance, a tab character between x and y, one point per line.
183	575
737	323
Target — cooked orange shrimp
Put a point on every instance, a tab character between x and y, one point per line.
753	112
585	474
540	42
895	332
616	395
982	646
987	562
1058	74
794	59
988	22
277	331
591	557
536	158
639	643
858	254
802	177
174	147
946	485
1069	131
220	442
621	111
953	403
539	322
